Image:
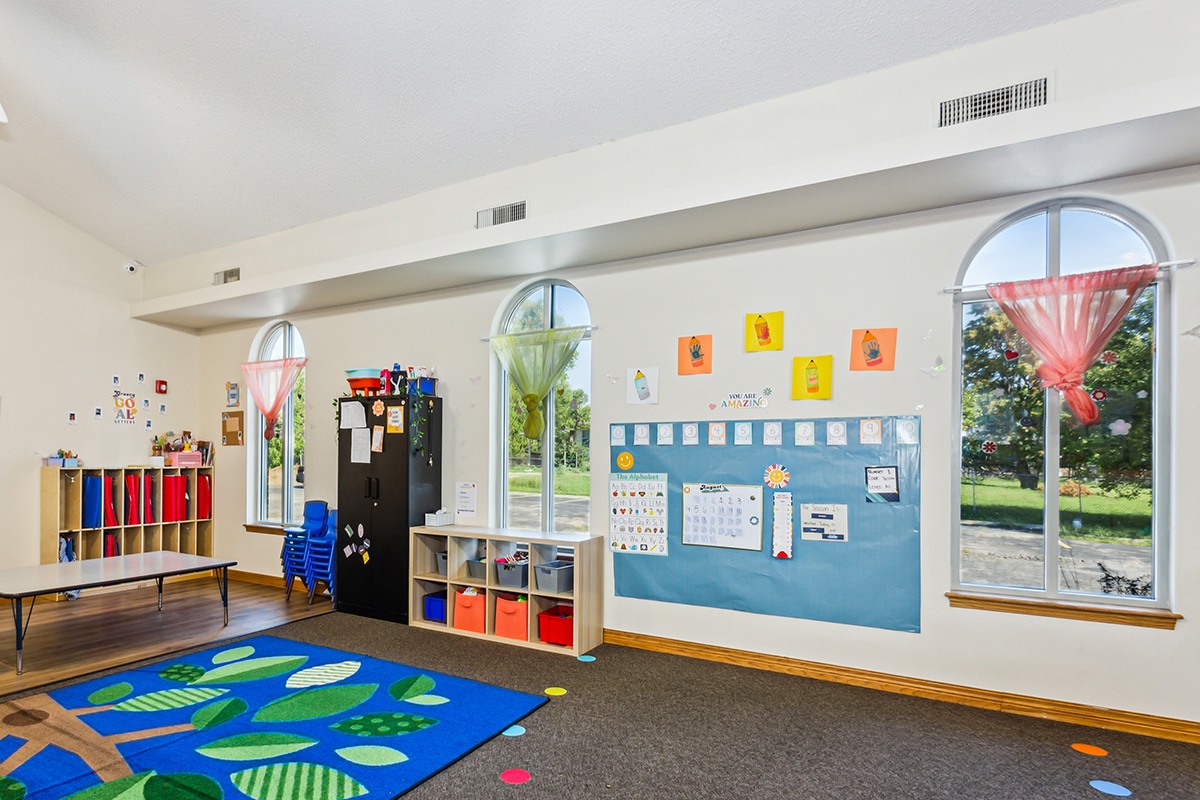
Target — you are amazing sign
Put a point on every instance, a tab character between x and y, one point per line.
744	400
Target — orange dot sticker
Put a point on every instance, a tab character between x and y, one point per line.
625	460
1089	749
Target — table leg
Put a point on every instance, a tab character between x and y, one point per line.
160	583
223	583
21	625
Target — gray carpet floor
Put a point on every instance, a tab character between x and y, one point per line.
638	724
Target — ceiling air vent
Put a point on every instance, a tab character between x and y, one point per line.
1017	97
227	276
500	215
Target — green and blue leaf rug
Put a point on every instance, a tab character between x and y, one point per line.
263	718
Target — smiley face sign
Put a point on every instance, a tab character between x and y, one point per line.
625	461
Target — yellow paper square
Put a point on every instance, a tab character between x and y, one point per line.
764	331
812	377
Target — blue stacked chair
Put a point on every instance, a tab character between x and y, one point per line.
318	558
295	541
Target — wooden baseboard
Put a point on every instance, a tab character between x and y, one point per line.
1074	713
255	578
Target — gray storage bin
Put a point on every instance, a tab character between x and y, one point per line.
556	577
441	564
513	576
477	568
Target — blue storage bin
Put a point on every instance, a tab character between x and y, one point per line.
435	607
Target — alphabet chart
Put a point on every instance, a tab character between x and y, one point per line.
722	515
637	519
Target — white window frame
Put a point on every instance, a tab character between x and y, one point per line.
1163	402
500	404
258	478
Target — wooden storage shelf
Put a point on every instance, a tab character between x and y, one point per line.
63	514
462	544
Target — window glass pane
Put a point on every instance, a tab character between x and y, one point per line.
1106	488
274	474
529	314
1002	502
570	309
297	431
524	468
572	443
1016	253
1092	240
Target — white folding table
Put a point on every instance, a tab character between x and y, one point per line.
21	582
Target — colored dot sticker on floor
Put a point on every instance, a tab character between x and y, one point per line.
1114	789
515	776
1089	749
556	691
587	658
515	730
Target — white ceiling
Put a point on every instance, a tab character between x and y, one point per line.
166	129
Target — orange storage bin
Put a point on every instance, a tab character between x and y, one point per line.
470	612
512	617
557	626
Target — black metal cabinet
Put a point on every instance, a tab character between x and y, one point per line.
379	499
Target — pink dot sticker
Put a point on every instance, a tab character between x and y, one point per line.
515	776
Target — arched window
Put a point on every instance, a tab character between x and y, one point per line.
1051	509
279	462
545	484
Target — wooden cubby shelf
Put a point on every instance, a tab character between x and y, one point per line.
503	604
188	528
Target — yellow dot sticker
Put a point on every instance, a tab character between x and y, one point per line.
625	460
556	691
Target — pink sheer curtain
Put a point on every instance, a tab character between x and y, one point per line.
270	383
1068	320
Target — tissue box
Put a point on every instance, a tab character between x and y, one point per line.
440	517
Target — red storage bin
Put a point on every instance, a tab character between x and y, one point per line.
512	617
470	612
557	626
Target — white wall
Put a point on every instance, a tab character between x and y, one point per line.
883	273
64	321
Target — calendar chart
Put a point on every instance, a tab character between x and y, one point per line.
722	515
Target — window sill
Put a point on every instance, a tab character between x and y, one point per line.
1117	615
262	527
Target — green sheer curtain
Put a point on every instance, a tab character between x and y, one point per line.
534	361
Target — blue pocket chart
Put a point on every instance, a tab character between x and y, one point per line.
856	518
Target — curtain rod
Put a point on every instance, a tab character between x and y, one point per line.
1168	265
588	328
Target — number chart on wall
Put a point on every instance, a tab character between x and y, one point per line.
811	518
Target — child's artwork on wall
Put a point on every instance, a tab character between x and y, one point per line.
695	354
764	331
873	349
812	377
641	386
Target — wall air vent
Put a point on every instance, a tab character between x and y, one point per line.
1017	97
227	276
500	215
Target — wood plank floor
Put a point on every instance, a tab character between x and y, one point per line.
102	630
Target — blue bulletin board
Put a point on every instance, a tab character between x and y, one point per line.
851	487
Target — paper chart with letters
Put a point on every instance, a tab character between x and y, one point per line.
637	519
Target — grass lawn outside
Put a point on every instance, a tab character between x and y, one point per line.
566	481
1104	517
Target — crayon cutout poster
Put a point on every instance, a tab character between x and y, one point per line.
695	355
764	331
873	349
812	377
641	385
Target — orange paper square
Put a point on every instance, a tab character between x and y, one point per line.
873	349
695	355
